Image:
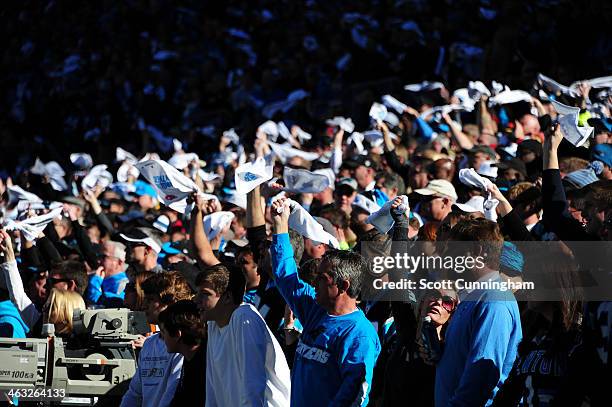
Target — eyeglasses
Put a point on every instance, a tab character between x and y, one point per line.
448	303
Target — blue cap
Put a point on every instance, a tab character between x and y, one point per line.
143	188
603	153
511	261
581	178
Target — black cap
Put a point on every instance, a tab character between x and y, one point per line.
530	145
515	164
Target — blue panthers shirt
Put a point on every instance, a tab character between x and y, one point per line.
335	356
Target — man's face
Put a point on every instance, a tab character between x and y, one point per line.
363	175
325	288
477	159
249	268
511	174
170	341
38	288
138	254
56	280
238	229
436	208
313	250
207	299
146	202
345	198
110	263
153	306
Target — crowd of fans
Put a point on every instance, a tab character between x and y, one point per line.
249	246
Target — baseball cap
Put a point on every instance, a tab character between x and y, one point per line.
475	204
348	181
483	149
530	145
439	188
515	164
140	236
488	169
143	188
603	153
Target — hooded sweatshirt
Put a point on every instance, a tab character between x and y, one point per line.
11	322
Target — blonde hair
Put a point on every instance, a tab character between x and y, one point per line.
62	304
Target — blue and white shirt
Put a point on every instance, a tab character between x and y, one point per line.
335	356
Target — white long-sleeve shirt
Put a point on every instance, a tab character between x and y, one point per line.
157	376
245	364
28	311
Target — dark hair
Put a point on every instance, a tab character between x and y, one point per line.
183	316
392	180
482	233
169	286
346	265
297	244
224	279
72	270
335	216
309	269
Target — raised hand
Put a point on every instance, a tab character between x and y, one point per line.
280	215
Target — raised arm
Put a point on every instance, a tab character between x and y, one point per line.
200	246
299	295
462	139
336	157
14	284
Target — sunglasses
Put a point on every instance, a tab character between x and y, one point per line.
448	303
53	281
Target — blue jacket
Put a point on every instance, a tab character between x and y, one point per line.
481	347
335	356
99	290
10	318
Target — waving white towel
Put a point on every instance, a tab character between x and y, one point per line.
250	175
382	219
172	186
469	177
32	227
302	222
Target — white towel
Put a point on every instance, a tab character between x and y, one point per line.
382	219
366	203
32	227
469	177
304	181
424	86
378	112
510	96
568	120
81	160
180	161
216	222
122	155
98	176
126	170
251	174
53	171
302	222
344	123
172	187
285	152
17	194
394	104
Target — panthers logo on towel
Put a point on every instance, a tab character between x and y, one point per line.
248	176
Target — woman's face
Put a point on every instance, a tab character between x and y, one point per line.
439	305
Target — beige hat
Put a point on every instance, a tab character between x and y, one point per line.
440	188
